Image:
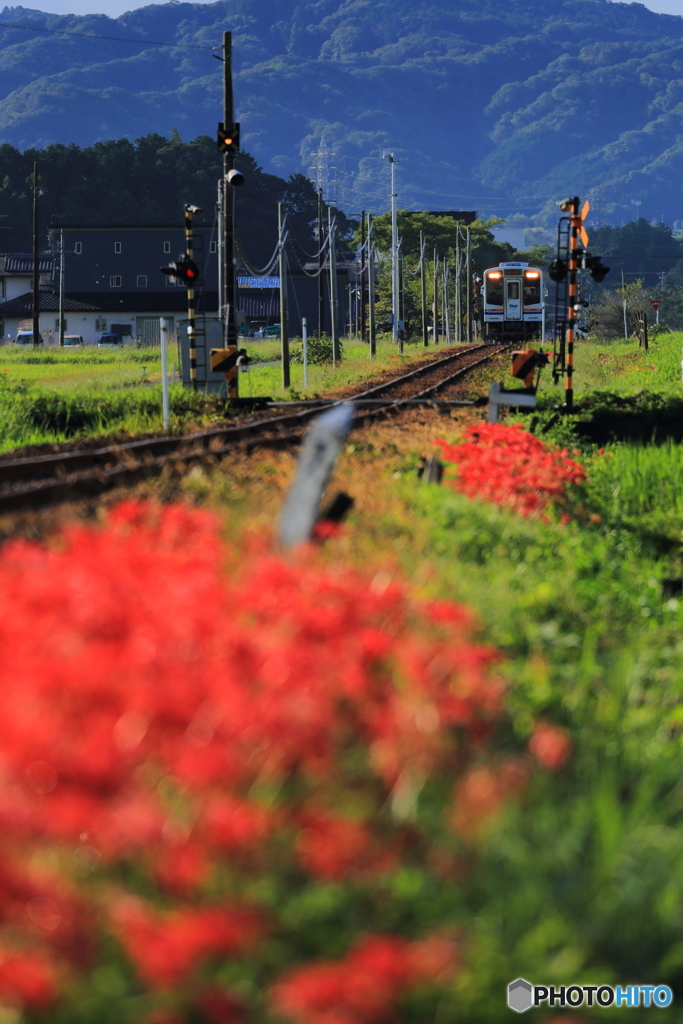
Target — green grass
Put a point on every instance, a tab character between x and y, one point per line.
583	881
620	367
55	396
356	366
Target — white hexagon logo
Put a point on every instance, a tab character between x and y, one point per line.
520	995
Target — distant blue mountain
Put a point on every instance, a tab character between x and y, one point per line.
499	107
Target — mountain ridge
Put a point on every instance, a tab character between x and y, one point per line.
498	109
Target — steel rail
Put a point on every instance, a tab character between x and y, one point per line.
66	475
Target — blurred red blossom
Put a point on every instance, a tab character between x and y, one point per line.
550	746
511	467
183	728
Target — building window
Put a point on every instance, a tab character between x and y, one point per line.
115	281
100	324
142	280
117	247
212	246
57	325
167	246
78	248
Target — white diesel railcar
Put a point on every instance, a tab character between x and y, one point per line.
513	303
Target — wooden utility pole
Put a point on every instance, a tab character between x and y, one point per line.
284	320
36	269
334	302
401	296
371	289
61	288
458	303
363	268
446	300
321	266
436	298
469	285
229	267
423	287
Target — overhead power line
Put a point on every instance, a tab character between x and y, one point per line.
110	39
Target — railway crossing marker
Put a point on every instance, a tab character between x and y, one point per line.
499	396
322	444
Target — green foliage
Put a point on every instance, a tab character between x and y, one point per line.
581	882
34	415
148	181
320	351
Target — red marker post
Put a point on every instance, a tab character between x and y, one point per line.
656	303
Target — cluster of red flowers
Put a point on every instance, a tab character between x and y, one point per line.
179	725
511	467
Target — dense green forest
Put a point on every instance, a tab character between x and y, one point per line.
496	107
148	182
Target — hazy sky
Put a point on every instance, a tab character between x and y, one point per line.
116	7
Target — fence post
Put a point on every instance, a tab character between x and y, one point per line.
304	337
163	334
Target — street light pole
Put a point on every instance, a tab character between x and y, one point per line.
394	255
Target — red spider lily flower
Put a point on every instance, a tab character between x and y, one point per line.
511	467
550	746
166	949
183	724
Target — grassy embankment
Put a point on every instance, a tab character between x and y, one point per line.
52	396
581	881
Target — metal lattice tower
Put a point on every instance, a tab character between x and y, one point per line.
323	172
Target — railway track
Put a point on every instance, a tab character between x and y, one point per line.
69	474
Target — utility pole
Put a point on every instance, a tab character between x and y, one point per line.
394	254
61	288
458	286
468	276
423	290
401	304
284	319
446	301
36	275
623	293
435	307
371	290
363	268
334	303
321	267
231	178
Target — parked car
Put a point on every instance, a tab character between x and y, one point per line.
73	339
26	338
272	332
109	341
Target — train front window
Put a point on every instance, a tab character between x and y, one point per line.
513	290
494	290
532	291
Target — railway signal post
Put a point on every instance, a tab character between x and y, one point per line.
564	270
